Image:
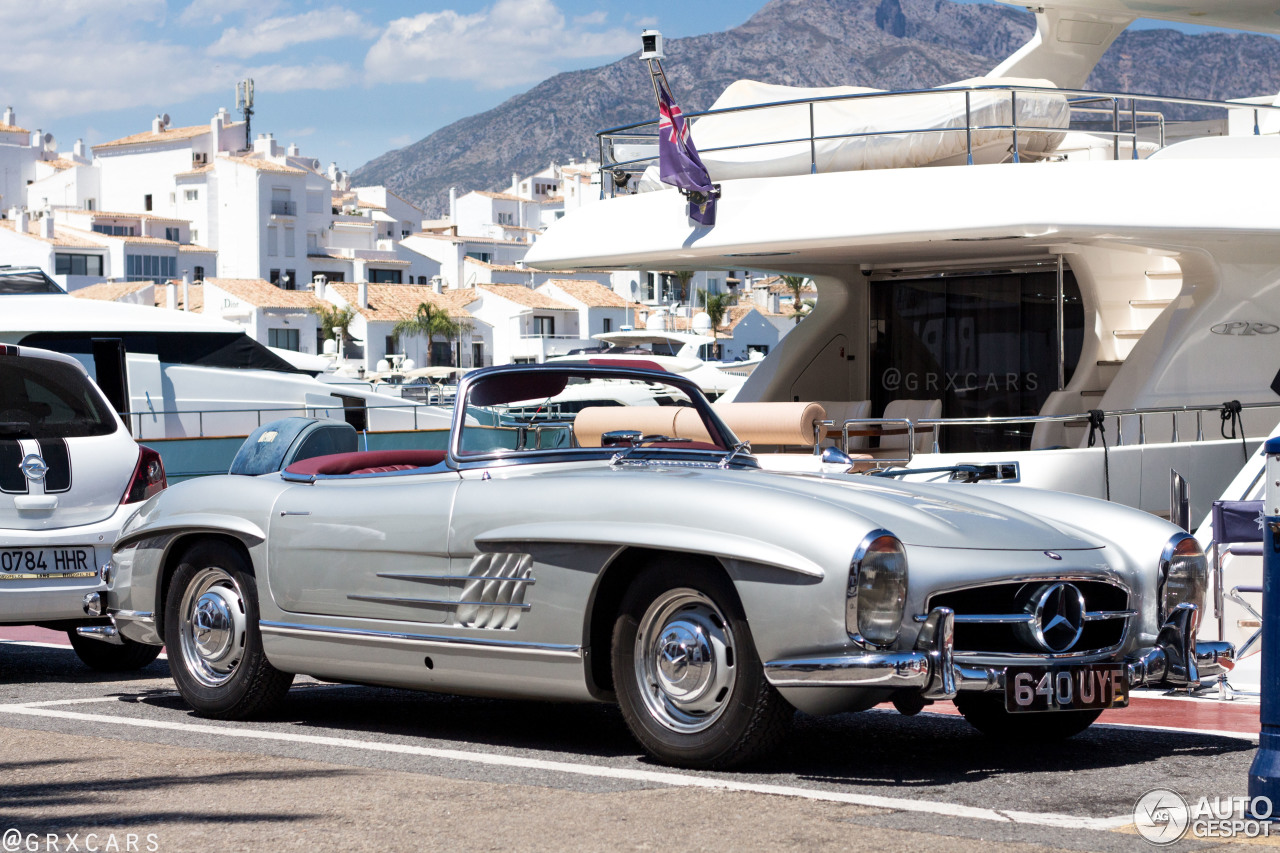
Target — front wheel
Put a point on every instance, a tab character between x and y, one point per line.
211	631
109	657
689	682
988	715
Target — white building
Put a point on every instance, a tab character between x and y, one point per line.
528	325
379	307
284	319
600	309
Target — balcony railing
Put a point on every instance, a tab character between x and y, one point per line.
1128	118
284	208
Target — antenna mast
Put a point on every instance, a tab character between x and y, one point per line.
244	103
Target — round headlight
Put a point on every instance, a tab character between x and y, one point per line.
1184	574
877	589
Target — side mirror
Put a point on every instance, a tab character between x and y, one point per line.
620	437
836	458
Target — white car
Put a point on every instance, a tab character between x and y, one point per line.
70	475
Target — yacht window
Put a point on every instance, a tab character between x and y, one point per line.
204	349
986	345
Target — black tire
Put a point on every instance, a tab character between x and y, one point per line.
987	715
211	632
108	657
728	715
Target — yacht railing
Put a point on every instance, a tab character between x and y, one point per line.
1084	419
1123	110
136	420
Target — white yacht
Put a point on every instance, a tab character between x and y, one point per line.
173	374
674	352
1017	247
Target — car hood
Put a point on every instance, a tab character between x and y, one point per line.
939	516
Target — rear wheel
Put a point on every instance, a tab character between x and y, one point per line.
211	631
988	715
689	682
108	657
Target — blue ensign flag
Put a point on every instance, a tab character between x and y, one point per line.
678	160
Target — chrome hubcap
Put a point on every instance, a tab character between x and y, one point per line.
685	660
213	627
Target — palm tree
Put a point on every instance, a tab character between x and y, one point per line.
684	276
334	322
717	305
795	283
431	322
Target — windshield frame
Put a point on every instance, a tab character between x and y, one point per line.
658	455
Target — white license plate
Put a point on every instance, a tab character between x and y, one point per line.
1065	688
72	561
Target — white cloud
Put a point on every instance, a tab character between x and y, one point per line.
204	12
400	141
275	34
512	42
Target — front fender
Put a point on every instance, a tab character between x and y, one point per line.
667	537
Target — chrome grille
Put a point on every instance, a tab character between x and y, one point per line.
1001	619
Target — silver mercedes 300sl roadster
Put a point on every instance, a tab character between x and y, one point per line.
597	533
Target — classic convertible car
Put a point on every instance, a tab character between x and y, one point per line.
568	547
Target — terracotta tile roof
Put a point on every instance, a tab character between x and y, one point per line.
110	291
431	235
591	293
198	170
61	165
391	303
369	205
115	214
64	237
10	128
775	284
167	135
499	196
264	165
143	241
525	296
197	296
264	294
191	247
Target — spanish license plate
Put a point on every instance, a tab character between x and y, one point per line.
72	561
1065	688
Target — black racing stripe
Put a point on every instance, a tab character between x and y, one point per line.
58	457
12	480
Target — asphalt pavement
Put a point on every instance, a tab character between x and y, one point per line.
344	767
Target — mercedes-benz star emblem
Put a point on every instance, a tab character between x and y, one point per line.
1058	611
34	467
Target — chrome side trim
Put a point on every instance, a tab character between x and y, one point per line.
404	577
463	643
894	670
434	602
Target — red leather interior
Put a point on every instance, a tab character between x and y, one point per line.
367	462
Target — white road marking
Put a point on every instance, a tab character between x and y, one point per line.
1180	729
626	774
53	702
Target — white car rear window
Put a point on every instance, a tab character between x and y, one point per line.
41	398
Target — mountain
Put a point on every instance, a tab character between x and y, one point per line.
886	44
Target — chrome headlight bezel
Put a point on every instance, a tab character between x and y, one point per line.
1184	574
876	596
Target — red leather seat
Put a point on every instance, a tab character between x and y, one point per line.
367	462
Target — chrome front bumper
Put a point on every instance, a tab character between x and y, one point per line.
1175	660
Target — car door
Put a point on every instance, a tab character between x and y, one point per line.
368	547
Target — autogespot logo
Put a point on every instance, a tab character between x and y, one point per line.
1161	816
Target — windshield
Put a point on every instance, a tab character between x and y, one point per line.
42	398
26	281
563	409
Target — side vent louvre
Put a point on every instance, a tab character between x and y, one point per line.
496	581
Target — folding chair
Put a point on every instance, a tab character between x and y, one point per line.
1237	531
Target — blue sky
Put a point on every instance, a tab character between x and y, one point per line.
346	81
